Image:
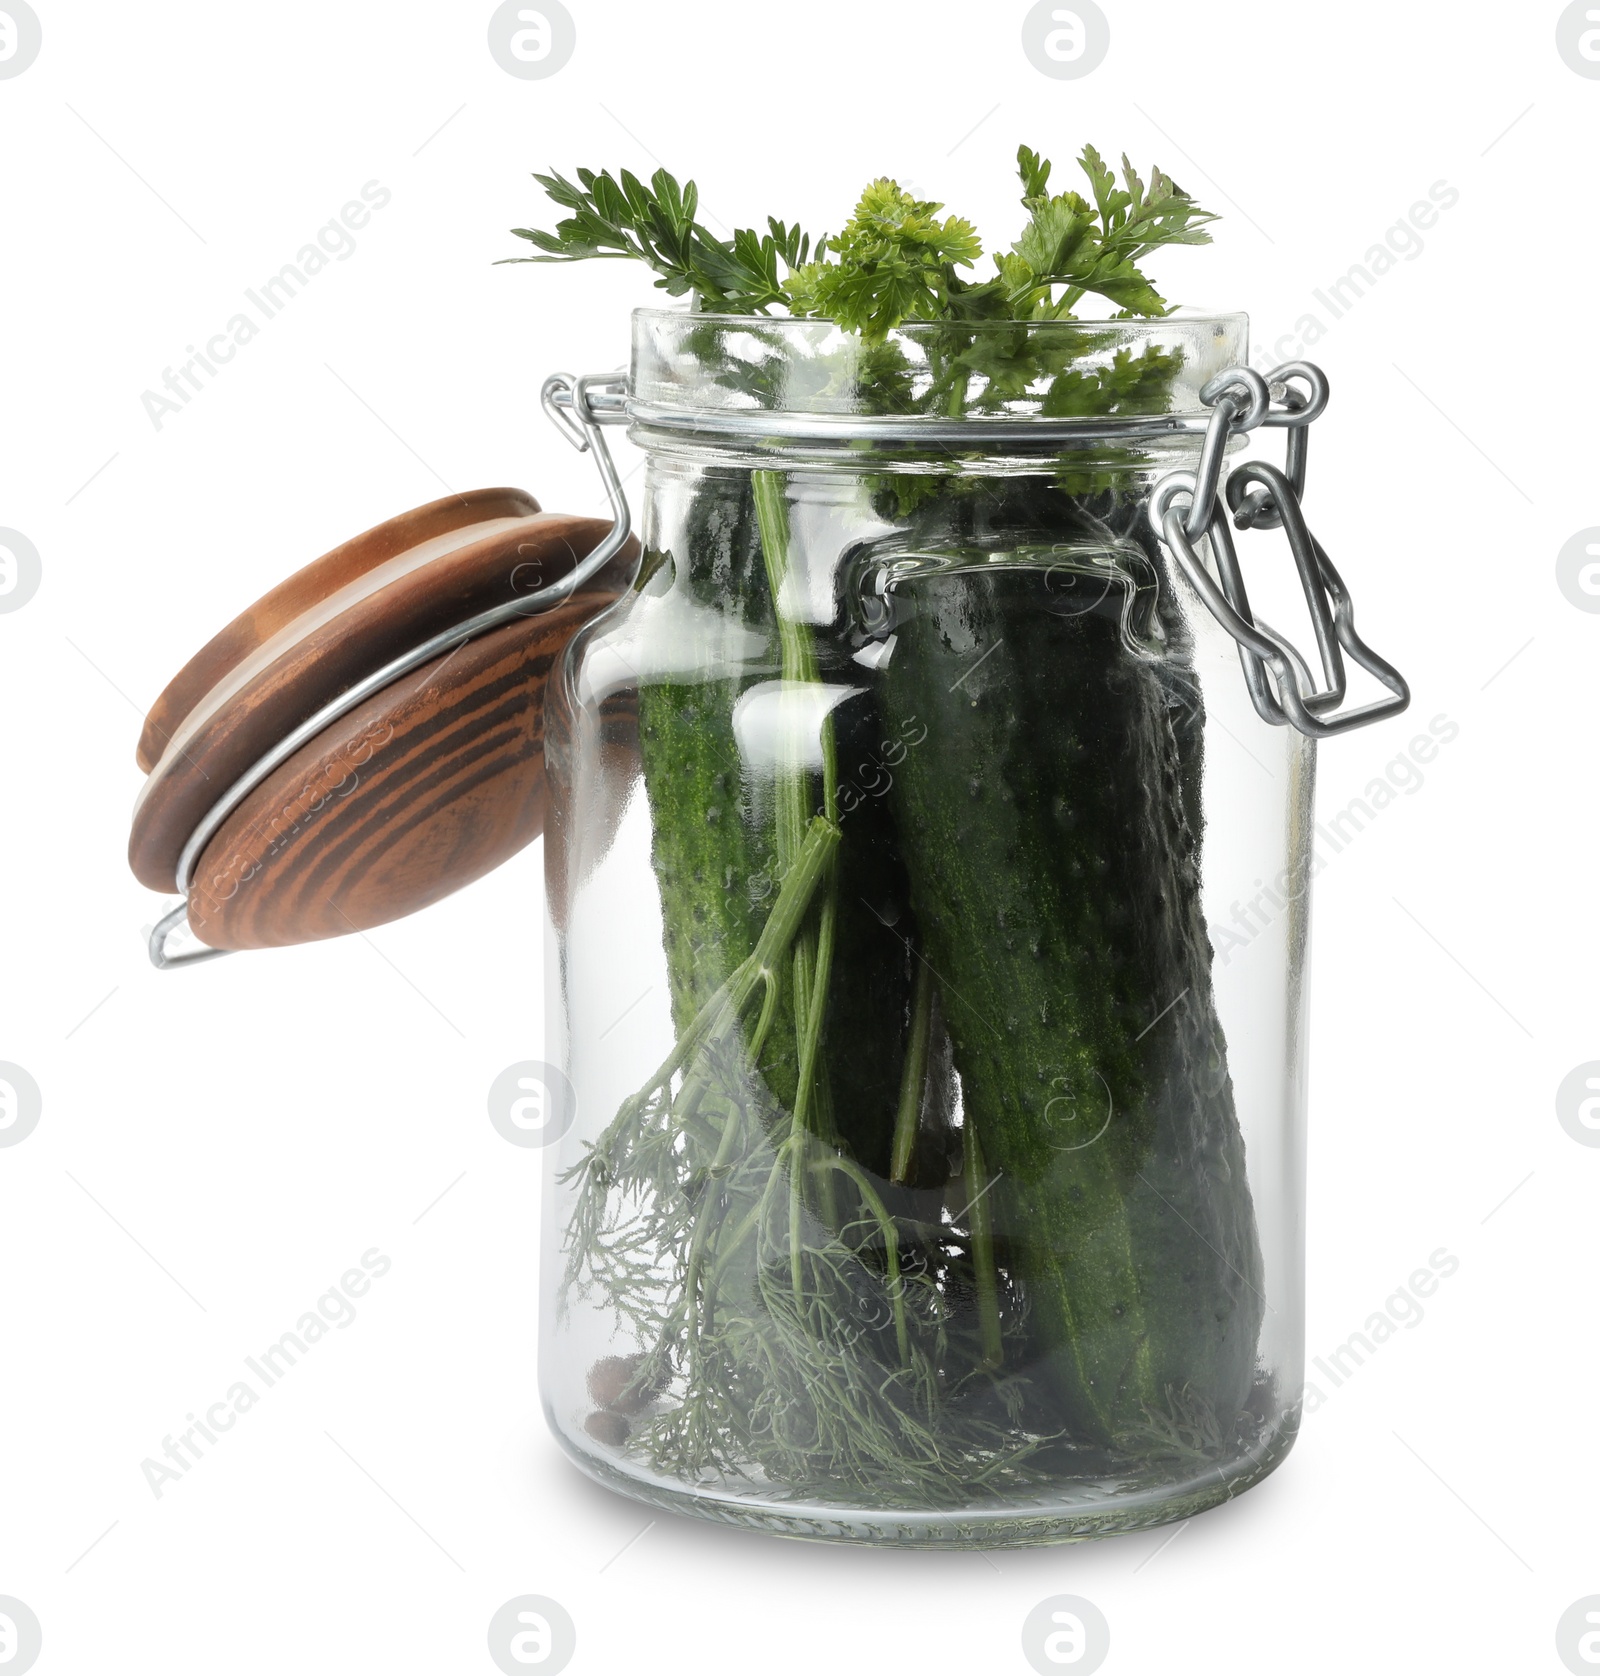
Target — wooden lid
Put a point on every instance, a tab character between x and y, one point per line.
308	587
427	784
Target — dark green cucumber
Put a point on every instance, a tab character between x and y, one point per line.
1048	826
714	872
714	850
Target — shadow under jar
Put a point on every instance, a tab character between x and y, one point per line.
936	1175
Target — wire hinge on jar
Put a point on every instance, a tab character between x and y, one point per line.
1185	506
579	406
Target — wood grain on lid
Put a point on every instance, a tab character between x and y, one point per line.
427	784
301	591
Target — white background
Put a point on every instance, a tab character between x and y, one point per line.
219	1145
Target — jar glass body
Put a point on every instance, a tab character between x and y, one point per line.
927	924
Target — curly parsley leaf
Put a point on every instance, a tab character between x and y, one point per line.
620	218
896	259
1078	248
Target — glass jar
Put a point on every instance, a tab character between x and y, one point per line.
928	912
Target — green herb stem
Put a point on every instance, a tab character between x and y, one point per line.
891	1243
912	1076
980	1219
715	1021
813	948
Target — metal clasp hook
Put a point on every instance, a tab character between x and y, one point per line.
1263	497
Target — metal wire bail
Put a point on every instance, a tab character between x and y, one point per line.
1263	497
578	406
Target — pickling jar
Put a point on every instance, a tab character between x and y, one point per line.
927	855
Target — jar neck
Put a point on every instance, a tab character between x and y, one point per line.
976	447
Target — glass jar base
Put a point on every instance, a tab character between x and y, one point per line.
1094	1511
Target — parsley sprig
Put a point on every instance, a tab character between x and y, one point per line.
895	260
621	218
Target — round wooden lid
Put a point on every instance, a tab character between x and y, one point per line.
424	786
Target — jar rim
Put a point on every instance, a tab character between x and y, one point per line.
927	383
1140	325
788	425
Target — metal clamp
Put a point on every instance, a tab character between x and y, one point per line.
1263	497
579	406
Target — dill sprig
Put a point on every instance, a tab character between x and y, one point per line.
826	1353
